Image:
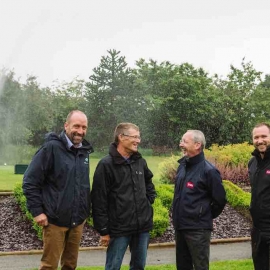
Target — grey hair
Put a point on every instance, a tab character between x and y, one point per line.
198	136
122	128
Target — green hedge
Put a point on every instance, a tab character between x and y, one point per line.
161	209
237	198
21	200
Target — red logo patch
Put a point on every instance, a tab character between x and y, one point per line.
268	172
190	185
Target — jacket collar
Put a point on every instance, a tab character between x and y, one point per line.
257	154
118	158
193	160
85	144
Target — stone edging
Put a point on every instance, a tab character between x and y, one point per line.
6	193
158	245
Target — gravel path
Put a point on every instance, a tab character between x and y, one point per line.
16	233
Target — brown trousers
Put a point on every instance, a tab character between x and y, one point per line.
60	242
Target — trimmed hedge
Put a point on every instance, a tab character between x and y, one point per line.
162	206
21	200
237	198
161	219
161	209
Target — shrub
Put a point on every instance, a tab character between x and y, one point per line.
167	169
231	161
161	219
237	198
21	200
165	194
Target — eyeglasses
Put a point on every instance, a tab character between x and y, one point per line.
132	136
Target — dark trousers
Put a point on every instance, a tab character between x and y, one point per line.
260	242
192	249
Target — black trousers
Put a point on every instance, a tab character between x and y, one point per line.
260	242
192	249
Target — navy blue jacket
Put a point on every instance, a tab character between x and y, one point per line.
57	184
199	194
259	175
122	194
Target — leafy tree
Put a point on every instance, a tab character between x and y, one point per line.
237	93
179	98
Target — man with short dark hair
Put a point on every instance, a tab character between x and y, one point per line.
122	195
198	198
57	188
259	175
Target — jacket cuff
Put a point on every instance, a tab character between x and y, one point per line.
36	211
104	231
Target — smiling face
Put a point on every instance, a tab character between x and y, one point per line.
76	128
188	146
129	142
261	138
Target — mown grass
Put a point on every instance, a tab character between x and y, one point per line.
8	178
218	265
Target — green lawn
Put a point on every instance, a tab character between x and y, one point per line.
8	178
220	265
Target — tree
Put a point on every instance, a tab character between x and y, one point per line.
179	98
110	97
237	93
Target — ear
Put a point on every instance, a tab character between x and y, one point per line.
66	125
198	145
120	138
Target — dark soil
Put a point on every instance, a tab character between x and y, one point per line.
17	234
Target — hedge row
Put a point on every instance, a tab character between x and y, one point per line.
21	200
161	209
236	197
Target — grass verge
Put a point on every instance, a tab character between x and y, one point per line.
218	265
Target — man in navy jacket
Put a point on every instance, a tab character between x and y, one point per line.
199	197
57	188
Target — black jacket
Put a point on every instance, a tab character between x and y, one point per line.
56	182
122	194
259	175
199	194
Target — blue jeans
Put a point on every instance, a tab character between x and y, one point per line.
138	244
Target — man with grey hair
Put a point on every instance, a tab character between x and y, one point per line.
122	197
199	197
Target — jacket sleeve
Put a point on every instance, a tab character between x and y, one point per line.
217	191
99	196
33	181
150	188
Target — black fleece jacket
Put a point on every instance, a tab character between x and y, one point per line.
122	194
259	175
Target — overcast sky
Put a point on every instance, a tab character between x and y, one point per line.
59	40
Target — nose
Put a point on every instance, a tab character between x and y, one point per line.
80	130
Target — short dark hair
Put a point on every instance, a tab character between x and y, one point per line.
261	125
122	128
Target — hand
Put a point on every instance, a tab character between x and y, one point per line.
41	220
104	240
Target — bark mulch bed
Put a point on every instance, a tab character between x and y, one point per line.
17	234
